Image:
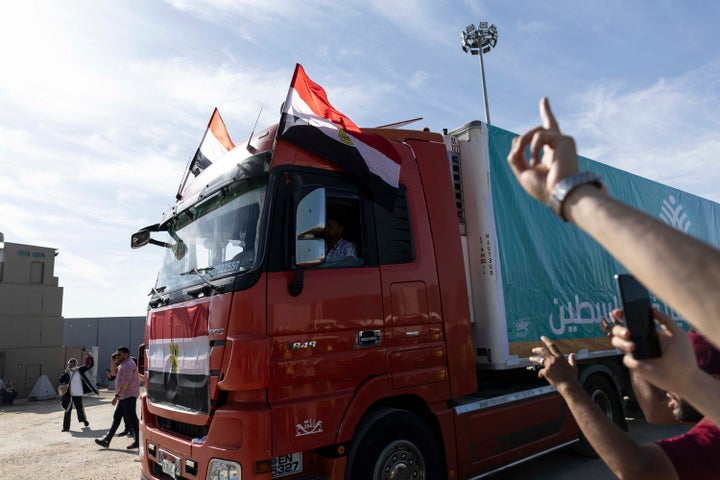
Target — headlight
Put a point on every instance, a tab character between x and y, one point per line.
223	470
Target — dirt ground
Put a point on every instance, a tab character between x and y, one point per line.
33	447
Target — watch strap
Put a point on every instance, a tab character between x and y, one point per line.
565	186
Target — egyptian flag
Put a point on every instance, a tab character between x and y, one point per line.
310	122
214	145
178	354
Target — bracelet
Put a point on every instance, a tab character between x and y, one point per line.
565	186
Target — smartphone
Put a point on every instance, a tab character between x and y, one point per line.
638	316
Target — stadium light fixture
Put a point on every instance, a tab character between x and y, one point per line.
479	41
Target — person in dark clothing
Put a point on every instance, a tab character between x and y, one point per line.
8	394
77	383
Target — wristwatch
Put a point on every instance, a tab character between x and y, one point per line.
566	185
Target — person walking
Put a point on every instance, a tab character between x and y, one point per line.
127	388
74	396
110	374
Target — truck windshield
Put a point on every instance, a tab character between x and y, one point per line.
215	237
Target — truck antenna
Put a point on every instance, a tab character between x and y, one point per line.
250	148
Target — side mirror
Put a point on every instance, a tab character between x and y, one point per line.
140	239
310	229
142	236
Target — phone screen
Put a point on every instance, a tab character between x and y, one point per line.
638	316
636	305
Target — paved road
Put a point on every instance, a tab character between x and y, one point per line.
567	465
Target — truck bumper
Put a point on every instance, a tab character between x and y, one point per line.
238	434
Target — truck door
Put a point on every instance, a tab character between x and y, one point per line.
327	329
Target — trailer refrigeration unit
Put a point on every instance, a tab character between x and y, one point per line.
263	359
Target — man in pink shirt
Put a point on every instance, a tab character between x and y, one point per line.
127	389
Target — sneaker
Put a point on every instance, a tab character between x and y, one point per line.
131	446
87	424
65	430
105	443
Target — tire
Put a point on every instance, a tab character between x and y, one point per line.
605	396
394	444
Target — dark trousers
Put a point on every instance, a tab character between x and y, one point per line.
117	418
77	401
125	409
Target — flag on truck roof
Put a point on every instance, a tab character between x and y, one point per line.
213	146
312	123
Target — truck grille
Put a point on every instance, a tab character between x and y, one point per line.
184	429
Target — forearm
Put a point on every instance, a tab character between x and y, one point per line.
622	455
652	400
681	270
702	392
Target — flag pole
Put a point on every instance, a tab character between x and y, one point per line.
178	195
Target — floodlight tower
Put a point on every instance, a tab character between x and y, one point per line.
478	41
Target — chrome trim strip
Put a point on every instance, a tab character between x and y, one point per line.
510	397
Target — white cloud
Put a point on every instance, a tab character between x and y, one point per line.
106	102
418	79
667	132
532	27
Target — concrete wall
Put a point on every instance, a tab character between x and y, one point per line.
34	338
107	333
31	325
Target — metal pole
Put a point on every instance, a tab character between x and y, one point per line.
482	72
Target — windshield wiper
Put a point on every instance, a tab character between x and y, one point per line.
157	291
200	272
161	299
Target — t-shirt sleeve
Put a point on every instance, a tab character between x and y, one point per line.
695	454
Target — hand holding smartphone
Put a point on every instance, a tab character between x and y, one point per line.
638	316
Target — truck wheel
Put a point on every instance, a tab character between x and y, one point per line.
394	444
605	396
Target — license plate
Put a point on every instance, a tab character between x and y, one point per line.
170	463
287	465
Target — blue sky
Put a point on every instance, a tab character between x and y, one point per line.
103	103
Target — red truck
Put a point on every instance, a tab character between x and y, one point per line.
409	360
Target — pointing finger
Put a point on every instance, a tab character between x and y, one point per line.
547	117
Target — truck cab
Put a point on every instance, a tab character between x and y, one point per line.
264	358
